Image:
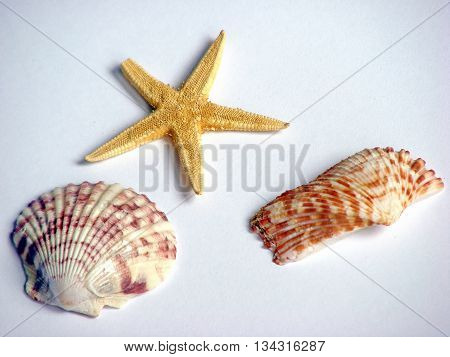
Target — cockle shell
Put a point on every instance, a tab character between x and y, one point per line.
371	187
90	245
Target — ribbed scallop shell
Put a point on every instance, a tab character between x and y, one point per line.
90	245
371	187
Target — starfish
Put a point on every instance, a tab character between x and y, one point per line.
183	115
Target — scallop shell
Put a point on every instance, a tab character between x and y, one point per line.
371	187
90	245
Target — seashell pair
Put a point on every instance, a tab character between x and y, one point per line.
371	187
87	246
90	245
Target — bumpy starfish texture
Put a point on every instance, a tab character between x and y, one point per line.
183	114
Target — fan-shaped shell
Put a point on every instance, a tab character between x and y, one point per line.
90	245
371	187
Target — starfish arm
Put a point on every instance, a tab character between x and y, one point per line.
202	78
153	90
188	145
148	129
217	117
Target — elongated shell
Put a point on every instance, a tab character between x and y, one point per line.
87	246
371	187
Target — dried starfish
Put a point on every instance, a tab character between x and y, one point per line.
183	114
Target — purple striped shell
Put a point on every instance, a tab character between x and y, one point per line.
90	245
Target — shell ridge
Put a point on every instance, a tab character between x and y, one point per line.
24	245
126	240
86	246
137	216
33	252
373	186
59	214
40	241
115	223
118	254
84	224
74	227
307	230
49	204
70	198
37	210
322	232
343	170
313	191
93	209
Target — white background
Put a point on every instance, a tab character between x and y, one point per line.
58	68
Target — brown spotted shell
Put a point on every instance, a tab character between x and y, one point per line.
90	245
371	187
